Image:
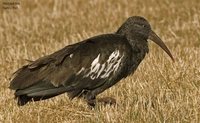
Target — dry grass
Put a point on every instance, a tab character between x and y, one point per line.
159	91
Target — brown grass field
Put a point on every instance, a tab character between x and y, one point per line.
159	91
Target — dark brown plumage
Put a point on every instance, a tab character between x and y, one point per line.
87	68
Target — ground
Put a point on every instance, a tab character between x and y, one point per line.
159	91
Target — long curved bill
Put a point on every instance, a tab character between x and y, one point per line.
158	41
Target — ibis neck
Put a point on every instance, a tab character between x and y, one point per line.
139	50
140	46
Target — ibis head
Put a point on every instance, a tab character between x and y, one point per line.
137	28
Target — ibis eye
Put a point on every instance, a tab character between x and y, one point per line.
143	26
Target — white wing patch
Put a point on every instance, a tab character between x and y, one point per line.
113	64
81	70
95	66
98	70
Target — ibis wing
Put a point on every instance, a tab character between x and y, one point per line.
37	71
86	65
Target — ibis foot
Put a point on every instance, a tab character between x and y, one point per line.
91	103
104	100
107	100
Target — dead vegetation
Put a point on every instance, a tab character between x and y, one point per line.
159	91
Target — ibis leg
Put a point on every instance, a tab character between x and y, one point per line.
90	99
107	100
